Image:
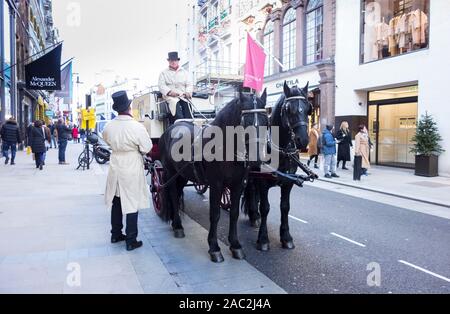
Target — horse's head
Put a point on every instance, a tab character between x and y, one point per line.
295	112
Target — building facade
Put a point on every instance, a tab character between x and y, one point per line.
389	61
8	95
27	29
299	34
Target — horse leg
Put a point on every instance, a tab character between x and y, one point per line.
174	199
263	243
286	239
235	246
251	203
215	195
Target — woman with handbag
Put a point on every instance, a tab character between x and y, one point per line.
362	149
38	137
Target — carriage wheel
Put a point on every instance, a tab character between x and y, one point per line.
225	202
156	189
201	189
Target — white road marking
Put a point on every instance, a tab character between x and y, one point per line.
347	239
298	219
425	271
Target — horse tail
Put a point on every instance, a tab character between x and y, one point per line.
250	198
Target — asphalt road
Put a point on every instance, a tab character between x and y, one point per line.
341	241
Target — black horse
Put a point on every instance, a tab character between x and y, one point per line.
290	115
244	111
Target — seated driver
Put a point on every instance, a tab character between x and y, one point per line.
174	84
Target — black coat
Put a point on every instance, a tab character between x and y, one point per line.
64	133
37	140
10	132
345	142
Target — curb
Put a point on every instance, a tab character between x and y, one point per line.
386	193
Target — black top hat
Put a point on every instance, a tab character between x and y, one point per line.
173	56
121	101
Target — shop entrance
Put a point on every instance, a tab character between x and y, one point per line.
392	125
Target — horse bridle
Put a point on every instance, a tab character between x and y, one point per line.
300	123
254	111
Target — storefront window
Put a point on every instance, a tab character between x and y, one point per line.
314	31
269	38
394	27
289	39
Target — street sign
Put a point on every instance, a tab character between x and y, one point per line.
49	113
88	114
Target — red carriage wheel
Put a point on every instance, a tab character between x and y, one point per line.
201	189
156	188
225	202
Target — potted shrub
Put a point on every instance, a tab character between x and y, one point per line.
427	147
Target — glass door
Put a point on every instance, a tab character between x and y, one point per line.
396	128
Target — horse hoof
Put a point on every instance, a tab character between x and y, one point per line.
255	224
265	247
217	257
179	234
288	245
238	254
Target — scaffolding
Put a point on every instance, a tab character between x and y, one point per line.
220	80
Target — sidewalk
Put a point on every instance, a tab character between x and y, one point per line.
54	221
396	182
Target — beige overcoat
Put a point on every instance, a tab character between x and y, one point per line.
128	140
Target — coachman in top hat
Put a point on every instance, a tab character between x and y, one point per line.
127	190
175	86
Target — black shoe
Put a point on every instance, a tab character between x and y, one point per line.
118	239
335	176
135	245
6	160
309	163
344	168
41	167
13	163
316	167
328	176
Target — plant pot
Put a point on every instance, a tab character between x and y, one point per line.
427	166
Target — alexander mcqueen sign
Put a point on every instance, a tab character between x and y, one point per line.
43	82
45	72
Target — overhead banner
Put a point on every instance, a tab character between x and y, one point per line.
66	84
45	72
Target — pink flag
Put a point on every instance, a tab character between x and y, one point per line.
254	66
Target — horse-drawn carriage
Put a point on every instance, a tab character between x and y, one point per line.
153	112
228	181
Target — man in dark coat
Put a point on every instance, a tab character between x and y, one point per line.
10	135
64	135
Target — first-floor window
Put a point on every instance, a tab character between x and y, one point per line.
392	28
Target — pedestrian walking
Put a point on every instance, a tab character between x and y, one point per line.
48	141
362	148
83	135
64	135
38	137
344	138
10	136
127	190
75	134
53	135
313	150
329	152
